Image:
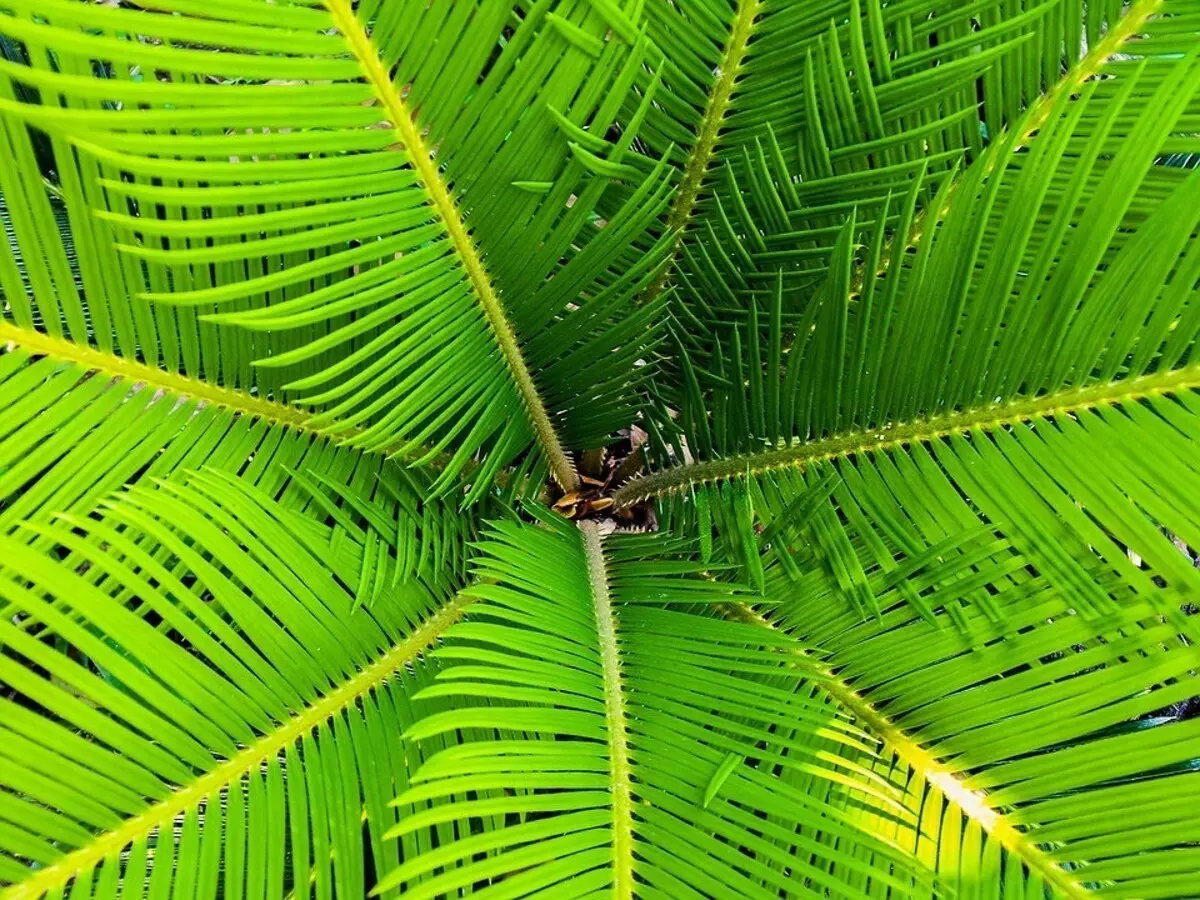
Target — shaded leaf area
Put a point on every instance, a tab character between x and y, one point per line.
22	278
672	751
197	699
1007	391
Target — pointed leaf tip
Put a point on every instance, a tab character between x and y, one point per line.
720	776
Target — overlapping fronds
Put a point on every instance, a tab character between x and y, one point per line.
311	305
308	191
1019	357
659	739
863	147
1012	399
77	424
1045	754
781	117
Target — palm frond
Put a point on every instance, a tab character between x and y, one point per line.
777	211
78	424
288	186
628	776
198	699
778	117
1022	375
1043	753
312	308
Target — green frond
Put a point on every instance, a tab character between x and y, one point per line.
348	344
198	698
779	116
109	365
78	424
285	194
681	732
779	210
973	835
1041	753
1018	358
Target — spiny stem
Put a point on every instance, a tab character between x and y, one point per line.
890	437
409	135
973	804
706	136
614	713
114	366
250	759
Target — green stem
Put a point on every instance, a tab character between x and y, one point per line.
923	430
974	805
706	136
250	759
113	366
614	709
110	365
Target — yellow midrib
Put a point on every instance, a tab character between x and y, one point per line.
701	155
1035	117
419	156
986	418
238	402
973	804
118	367
1120	32
614	712
249	759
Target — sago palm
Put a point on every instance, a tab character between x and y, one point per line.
578	448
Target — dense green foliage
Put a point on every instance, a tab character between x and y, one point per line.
578	448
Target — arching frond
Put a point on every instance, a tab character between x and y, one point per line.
1044	754
78	424
289	185
781	117
199	699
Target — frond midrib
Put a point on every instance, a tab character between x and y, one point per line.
924	430
409	134
614	712
707	133
973	804
184	387
114	366
249	759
